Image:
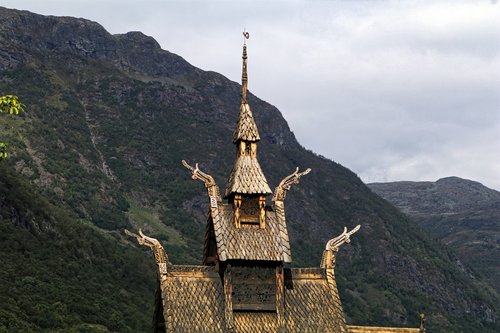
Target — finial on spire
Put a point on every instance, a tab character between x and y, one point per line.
244	75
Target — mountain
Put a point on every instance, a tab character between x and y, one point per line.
464	214
62	275
110	117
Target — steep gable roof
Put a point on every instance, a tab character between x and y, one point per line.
250	243
246	129
247	177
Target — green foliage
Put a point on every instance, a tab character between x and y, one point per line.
3	150
11	105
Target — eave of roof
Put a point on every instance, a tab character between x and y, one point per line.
377	329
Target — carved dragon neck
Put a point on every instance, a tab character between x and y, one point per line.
211	186
161	257
333	246
286	183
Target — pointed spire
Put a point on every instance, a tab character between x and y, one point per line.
246	129
244	75
247	176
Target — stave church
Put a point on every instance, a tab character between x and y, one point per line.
245	282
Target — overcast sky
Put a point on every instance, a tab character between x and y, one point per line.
393	90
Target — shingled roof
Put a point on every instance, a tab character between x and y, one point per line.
194	301
246	129
247	177
250	243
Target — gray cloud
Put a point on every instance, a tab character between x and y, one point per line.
393	90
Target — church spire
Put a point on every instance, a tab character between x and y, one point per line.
244	75
247	182
246	129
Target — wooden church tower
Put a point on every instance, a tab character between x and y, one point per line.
244	284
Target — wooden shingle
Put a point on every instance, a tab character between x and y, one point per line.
250	243
246	129
195	297
247	177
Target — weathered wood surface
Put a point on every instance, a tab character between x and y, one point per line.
375	329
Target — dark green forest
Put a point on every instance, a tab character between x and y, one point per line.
62	274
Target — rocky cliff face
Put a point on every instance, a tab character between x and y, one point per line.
463	214
449	195
111	116
132	51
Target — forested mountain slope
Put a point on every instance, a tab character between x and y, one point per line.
464	214
109	118
61	274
